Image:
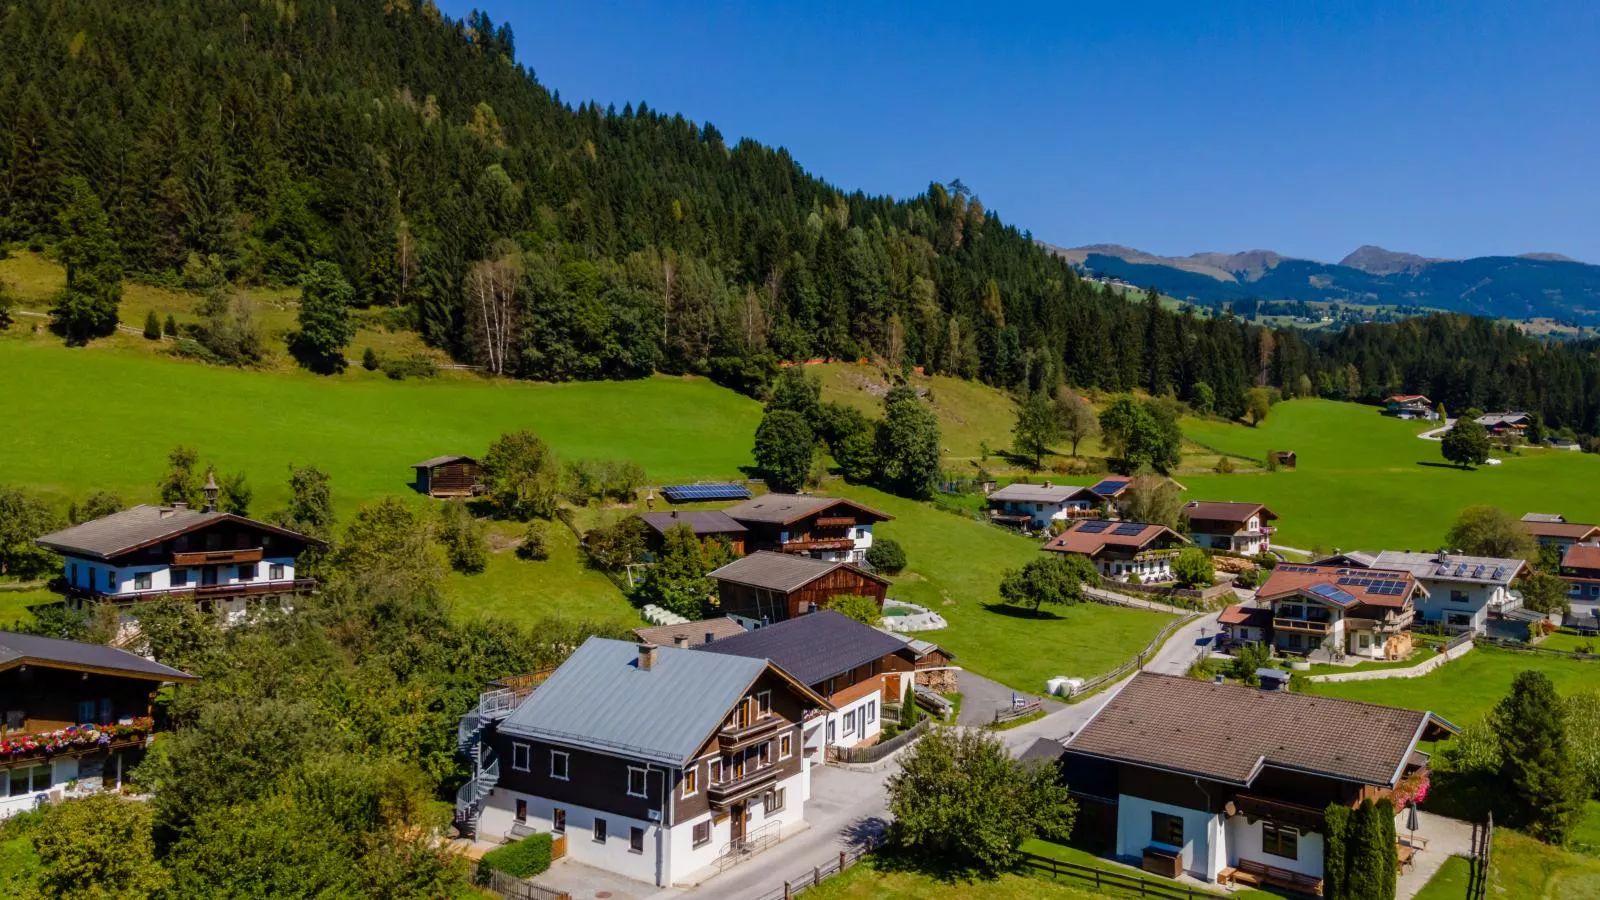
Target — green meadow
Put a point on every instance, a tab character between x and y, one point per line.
1367	481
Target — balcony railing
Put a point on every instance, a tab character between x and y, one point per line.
733	789
1284	812
216	557
74	740
197	591
1312	625
824	544
734	737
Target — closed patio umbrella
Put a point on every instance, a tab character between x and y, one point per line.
1411	822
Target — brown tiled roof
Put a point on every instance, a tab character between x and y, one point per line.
1239	614
1577	531
1225	510
781	509
1091	542
442	460
1582	556
1229	732
698	633
1291	578
782	571
130	529
703	521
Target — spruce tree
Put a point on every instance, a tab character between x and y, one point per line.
86	308
1543	792
1335	851
324	320
1389	872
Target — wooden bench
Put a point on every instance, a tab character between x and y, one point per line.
1405	855
1256	874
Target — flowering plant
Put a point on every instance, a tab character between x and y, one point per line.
1412	789
73	737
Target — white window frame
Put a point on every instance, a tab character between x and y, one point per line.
763	704
644	782
146	579
275	572
714	770
849	727
519	749
566	765
778	794
871	712
691	780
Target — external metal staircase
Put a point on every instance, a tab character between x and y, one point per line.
493	705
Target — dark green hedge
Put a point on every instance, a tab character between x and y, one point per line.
524	859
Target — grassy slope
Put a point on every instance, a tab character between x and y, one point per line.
955	568
560	587
1361	483
970	414
1526	868
1464	690
1449	883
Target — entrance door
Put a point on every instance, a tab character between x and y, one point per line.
736	825
522	810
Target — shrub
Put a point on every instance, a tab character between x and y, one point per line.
170	327
1224	466
863	609
1193	568
534	546
524	859
1265	560
886	555
370	360
402	367
152	326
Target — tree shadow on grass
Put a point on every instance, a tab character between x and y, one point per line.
1451	466
892	857
1022	612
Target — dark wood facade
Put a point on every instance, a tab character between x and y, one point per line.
34	699
457	477
826	530
747	750
775	606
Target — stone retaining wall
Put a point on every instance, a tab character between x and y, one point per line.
1416	671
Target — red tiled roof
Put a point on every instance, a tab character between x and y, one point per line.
1225	510
1405	398
1089	543
1239	614
1581	556
1577	531
1289	579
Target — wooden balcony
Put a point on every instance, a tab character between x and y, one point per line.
736	737
1283	812
819	544
196	591
836	522
216	557
1312	626
731	790
22	747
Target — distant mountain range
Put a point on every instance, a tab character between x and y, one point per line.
1529	286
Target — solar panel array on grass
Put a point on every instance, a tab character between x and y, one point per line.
689	493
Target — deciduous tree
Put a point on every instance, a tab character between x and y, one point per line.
325	327
1485	530
863	609
523	476
1054	578
1036	430
24	517
1466	444
98	847
1076	418
784	447
907	445
1193	568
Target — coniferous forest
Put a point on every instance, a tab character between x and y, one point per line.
539	239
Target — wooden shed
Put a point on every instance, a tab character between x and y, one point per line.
1284	458
448	476
778	586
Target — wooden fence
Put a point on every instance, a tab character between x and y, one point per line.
1017	711
794	887
882	748
1524	647
1103	879
513	888
1482	851
1136	662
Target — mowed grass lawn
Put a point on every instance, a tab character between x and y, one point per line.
561	587
954	568
1361	481
1466	689
78	421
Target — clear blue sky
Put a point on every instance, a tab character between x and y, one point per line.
1445	128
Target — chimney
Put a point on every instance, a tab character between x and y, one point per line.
710	637
647	657
167	511
1048	484
680	640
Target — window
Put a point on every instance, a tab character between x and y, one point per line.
691	781
766	753
247	571
141	581
773	801
1458	596
111	579
1280	840
832	731
558	820
850	722
714	770
764	704
785	746
599	830
1365	640
86	712
72	573
521	757
635	782
522	810
702	834
1166	828
560	766
24	780
870	714
635	839
106	707
180	577
827	687
275	572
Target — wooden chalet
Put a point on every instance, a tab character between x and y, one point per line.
824	527
707	524
1230	526
1121	550
1580	569
449	476
771	587
74	714
1230	783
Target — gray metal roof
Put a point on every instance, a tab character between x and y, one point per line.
780	571
601	700
697	633
140	526
1039	493
18	648
1552	518
703	521
812	647
1451	567
441	460
781	509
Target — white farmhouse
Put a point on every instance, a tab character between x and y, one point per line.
1462	590
1035	506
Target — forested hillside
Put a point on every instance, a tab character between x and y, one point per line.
249	139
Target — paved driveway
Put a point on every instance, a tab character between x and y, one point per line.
981	696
